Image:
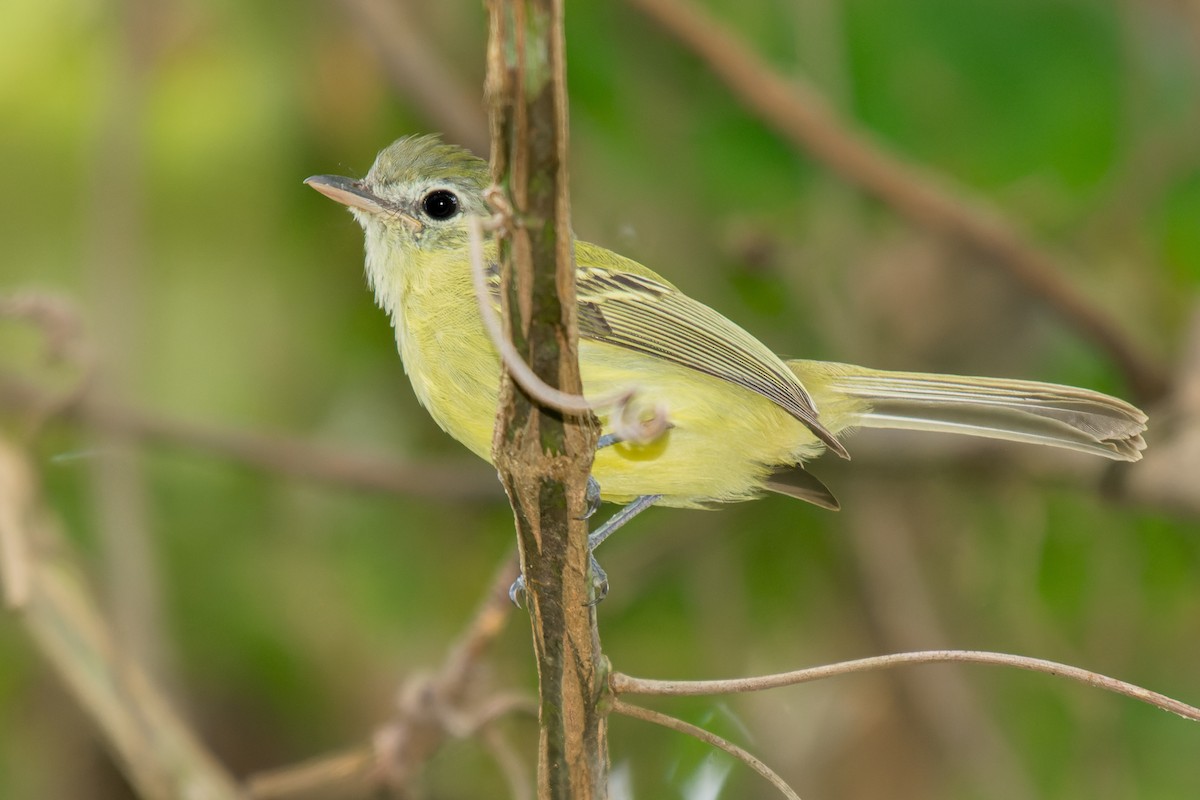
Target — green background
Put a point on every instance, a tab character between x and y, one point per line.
151	159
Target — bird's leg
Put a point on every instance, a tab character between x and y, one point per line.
638	423
595	538
627	512
647	429
607	440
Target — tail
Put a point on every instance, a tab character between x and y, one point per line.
847	396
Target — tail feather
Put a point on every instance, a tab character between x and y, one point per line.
1019	411
795	481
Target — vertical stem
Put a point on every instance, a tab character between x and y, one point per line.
544	456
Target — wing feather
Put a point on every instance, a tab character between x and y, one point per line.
649	316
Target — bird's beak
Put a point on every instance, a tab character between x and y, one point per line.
354	194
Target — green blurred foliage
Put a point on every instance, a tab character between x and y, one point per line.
291	611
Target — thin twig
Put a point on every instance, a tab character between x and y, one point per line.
708	737
537	389
798	111
626	428
625	684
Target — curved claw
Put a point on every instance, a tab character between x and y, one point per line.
592	497
517	591
599	581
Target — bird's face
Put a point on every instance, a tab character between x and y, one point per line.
415	198
416	194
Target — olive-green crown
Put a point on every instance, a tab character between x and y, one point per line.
427	159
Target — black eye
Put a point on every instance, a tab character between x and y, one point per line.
440	204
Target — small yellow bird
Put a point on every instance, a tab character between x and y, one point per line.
742	420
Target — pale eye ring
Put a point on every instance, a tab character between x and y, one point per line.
440	204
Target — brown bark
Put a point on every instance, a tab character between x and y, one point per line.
544	456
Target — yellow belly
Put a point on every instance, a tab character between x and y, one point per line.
724	441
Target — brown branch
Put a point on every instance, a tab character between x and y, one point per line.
454	480
544	457
798	112
625	684
708	737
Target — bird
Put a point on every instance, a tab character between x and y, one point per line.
741	420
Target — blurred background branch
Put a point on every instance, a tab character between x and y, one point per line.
798	111
429	709
288	610
453	481
419	71
160	754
